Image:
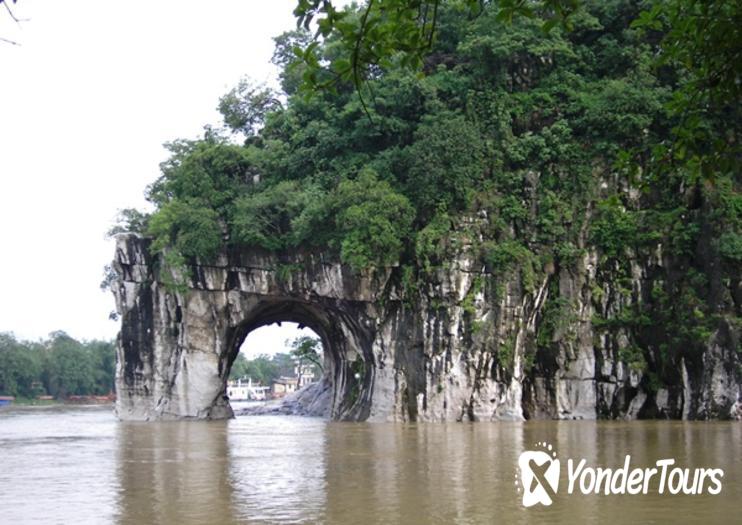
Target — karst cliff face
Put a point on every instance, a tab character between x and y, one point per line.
465	344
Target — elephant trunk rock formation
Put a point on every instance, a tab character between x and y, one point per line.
462	349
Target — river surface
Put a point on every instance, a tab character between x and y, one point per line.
80	465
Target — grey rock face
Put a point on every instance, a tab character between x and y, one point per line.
175	348
459	349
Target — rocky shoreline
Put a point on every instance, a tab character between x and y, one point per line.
313	401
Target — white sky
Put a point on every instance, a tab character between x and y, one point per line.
86	102
271	339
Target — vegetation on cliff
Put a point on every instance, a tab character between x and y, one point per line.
558	142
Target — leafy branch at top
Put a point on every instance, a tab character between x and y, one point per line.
388	33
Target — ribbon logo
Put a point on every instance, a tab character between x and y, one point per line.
539	475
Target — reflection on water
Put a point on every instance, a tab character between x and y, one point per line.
177	472
277	469
79	465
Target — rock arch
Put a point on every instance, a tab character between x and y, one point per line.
458	345
176	347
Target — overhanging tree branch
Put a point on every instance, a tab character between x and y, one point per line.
14	18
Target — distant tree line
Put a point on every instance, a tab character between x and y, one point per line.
59	366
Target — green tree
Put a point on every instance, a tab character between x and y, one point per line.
284	363
388	33
501	139
59	366
69	369
20	367
307	348
245	107
278	216
262	369
188	226
129	220
286	59
373	220
702	43
239	367
102	355
446	163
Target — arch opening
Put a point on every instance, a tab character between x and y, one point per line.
274	361
341	389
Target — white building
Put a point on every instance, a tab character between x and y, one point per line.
241	391
304	374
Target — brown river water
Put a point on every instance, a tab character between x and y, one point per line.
80	465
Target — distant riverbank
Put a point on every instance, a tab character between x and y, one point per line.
45	401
